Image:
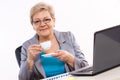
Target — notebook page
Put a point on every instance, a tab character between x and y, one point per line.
64	76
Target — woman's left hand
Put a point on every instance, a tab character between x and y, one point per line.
64	56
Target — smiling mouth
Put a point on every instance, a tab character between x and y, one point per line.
43	29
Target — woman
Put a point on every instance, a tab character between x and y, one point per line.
67	55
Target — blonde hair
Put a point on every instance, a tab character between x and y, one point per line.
40	7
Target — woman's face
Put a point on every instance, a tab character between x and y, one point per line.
43	23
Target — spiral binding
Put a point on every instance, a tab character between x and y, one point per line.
59	77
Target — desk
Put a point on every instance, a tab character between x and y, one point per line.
112	74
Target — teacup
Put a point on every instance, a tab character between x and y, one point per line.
45	45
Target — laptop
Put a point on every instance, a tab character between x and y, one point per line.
106	53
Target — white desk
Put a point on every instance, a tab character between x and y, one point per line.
112	74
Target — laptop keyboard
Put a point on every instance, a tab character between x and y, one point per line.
88	69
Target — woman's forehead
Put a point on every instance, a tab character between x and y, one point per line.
41	14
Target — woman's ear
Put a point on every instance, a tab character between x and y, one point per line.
54	20
33	27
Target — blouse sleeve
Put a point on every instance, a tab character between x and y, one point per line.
80	60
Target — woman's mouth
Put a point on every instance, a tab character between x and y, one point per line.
43	29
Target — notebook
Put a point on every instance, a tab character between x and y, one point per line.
64	76
106	53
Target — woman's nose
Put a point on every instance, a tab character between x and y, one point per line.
42	23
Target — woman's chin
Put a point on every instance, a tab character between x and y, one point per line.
45	34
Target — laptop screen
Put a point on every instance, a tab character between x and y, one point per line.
106	53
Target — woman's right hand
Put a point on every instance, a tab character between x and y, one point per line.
33	50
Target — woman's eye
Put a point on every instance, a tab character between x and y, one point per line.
36	22
47	19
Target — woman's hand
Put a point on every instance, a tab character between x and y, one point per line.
64	56
33	50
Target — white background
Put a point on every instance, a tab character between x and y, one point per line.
82	17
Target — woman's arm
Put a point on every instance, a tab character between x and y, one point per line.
80	60
24	73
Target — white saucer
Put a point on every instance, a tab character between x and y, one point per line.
48	55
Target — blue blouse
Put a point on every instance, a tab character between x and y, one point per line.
52	66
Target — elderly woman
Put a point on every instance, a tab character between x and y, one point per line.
67	55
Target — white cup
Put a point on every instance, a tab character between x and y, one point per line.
45	45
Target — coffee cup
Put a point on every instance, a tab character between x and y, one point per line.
45	45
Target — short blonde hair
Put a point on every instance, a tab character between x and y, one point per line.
40	7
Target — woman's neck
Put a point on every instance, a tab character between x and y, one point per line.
46	38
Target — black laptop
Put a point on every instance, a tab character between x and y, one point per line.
106	53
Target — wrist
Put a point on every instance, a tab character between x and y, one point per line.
71	61
30	64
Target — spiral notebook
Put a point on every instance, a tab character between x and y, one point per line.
65	76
